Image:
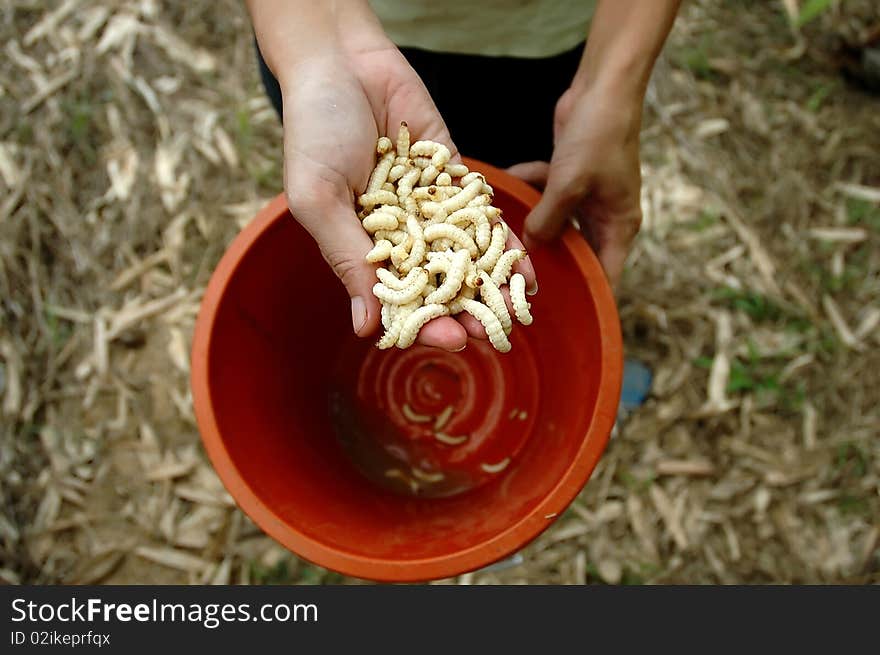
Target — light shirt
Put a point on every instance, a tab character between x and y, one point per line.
512	28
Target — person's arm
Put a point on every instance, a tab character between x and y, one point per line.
594	173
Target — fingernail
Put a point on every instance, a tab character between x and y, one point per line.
358	313
460	349
532	290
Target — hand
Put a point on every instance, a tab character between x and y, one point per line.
335	107
594	174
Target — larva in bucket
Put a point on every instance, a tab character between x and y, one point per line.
438	245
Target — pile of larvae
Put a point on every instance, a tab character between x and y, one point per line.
439	243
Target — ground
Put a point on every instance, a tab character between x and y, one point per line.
134	143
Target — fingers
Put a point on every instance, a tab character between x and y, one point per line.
616	240
524	265
561	196
445	333
532	172
344	244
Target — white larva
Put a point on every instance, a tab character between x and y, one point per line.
383	145
456	170
426	476
501	271
489	321
429	174
380	197
496	247
455	273
494	300
397	316
462	198
456	234
412	416
391	281
451	440
496	468
416	281
521	306
405	184
379	176
438	153
380	252
403	140
478	218
418	249
379	220
396	237
397	172
443	417
416	320
444	179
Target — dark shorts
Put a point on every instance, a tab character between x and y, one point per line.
500	112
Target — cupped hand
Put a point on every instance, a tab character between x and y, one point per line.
336	105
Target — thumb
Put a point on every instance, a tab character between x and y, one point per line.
561	197
344	244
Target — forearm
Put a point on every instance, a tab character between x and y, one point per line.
625	39
290	30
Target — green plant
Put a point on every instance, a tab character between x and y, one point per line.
811	10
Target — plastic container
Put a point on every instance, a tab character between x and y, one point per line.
280	383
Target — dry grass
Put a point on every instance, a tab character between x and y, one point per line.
135	140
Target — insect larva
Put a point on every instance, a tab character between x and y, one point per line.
449	439
380	197
403	140
456	234
394	236
455	273
412	416
521	306
379	220
459	200
429	174
380	252
380	174
456	170
489	321
418	249
405	184
480	221
501	271
426	476
444	179
443	417
496	468
397	172
383	145
417	319
398	316
494	300
438	153
400	475
496	248
391	281
417	278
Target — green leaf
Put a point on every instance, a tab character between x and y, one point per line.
812	9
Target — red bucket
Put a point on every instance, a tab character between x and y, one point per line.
331	445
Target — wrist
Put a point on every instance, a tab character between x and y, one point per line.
291	31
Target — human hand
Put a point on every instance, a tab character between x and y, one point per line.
594	175
329	141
